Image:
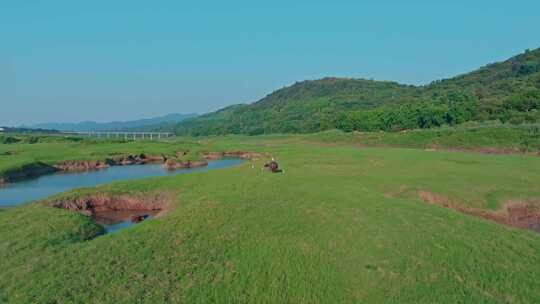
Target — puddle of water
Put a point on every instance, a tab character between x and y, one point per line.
116	220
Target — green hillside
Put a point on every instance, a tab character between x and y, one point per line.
494	83
496	91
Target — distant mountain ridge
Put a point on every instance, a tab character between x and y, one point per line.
317	105
132	125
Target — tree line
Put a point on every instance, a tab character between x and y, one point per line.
520	108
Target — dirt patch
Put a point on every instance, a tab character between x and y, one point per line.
172	164
213	155
103	203
71	165
232	154
243	154
520	214
139	159
125	160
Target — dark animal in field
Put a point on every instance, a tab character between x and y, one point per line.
273	166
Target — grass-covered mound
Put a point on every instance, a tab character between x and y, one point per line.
344	224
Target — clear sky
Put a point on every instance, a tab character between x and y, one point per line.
66	61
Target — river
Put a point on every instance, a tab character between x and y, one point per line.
44	186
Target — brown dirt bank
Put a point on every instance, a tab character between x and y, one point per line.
172	164
126	160
235	154
99	203
136	160
75	165
520	214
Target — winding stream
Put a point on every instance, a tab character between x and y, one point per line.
44	186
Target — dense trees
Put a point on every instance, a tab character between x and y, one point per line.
524	102
409	116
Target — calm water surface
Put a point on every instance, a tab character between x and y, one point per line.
44	186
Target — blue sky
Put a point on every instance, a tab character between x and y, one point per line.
68	61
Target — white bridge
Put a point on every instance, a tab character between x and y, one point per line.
124	135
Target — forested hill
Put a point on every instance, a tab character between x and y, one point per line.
303	107
508	90
495	82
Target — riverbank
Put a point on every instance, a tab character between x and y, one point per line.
176	162
42	187
23	160
37	169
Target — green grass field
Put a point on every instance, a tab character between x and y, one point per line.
344	224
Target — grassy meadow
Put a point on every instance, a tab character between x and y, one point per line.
343	224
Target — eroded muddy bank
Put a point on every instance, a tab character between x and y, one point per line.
87	165
519	214
172	164
232	154
115	212
98	203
